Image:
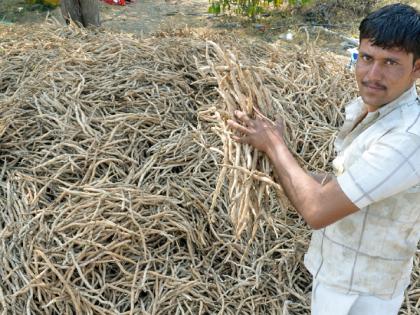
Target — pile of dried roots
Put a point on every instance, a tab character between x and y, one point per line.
117	175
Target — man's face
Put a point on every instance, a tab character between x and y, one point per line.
382	75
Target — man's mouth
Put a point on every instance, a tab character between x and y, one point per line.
374	86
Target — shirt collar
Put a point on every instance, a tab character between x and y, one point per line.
356	108
407	97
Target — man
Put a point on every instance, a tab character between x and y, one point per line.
367	216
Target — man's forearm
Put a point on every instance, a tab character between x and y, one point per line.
321	178
302	189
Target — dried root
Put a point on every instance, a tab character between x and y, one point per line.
120	189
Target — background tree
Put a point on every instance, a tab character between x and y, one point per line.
82	12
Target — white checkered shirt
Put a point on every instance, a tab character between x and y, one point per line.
370	252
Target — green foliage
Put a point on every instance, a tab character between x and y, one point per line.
250	8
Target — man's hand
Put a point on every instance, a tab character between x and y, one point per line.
319	200
260	133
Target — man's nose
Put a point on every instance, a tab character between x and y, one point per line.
375	72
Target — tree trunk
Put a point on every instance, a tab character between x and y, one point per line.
90	12
82	12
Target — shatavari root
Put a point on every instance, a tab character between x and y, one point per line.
121	191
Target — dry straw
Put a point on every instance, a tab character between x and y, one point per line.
111	151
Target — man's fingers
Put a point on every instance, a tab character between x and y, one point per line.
239	139
280	124
242	117
262	116
237	127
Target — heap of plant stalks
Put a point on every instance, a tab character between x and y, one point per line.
117	172
247	185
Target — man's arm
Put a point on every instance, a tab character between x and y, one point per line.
320	204
321	178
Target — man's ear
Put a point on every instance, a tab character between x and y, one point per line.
416	69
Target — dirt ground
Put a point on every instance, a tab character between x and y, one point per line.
139	17
147	16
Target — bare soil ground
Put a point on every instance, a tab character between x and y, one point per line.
140	16
145	17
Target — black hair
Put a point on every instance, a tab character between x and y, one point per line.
393	26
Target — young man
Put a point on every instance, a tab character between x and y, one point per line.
367	216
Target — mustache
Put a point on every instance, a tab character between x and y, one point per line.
374	85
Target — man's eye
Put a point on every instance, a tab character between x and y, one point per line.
390	62
366	58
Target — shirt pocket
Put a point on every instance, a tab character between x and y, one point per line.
413	190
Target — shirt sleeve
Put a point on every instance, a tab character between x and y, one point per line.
388	167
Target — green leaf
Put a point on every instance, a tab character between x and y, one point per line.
215	8
249	8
